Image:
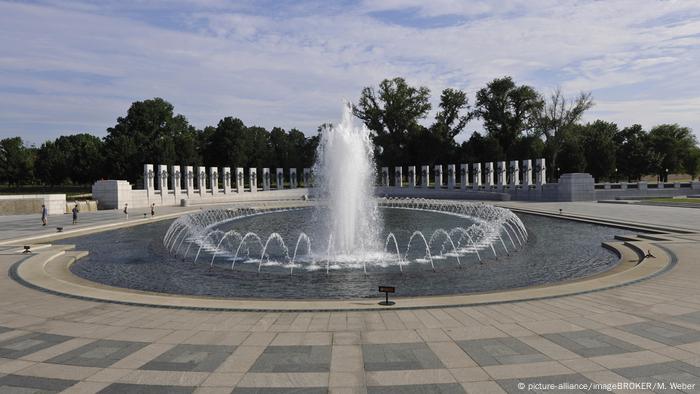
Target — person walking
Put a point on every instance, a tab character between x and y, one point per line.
44	215
126	211
75	211
153	209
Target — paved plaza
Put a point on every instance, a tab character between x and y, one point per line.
646	333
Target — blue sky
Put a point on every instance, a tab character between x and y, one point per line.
75	66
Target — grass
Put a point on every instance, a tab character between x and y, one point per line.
677	200
71	191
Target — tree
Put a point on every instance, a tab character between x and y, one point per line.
16	161
634	157
599	148
479	149
572	155
149	133
672	142
692	162
555	117
449	121
507	110
391	113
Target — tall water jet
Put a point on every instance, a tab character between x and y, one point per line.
344	174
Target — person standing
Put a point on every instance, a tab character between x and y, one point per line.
44	215
126	211
75	211
153	209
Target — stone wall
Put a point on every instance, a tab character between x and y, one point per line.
22	204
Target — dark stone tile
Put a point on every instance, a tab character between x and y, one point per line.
399	356
690	317
499	351
4	329
32	384
591	343
28	344
293	359
448	388
124	388
280	390
194	358
101	353
572	383
666	333
662	375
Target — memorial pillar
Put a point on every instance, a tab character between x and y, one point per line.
398	176
227	180
488	175
189	181
266	179
280	178
253	179
527	172
464	176
214	180
425	173
540	171
385	176
240	180
514	173
411	177
501	172
293	178
451	176
476	176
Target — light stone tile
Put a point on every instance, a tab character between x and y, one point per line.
170	378
527	370
302	338
390	336
514	329
346	358
616	318
408	377
347	379
177	337
433	335
347	390
482	388
212	390
229	338
218	379
582	365
259	339
290	379
471	374
347	338
85	388
549	348
550	326
109	375
474	332
58	371
138	334
675	353
12	366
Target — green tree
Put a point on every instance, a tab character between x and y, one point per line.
634	157
598	141
572	155
672	143
16	161
692	162
479	149
149	133
391	114
507	110
556	116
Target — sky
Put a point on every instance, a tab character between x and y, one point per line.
70	66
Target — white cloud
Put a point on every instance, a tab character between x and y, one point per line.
84	64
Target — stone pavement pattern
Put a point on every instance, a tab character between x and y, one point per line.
646	332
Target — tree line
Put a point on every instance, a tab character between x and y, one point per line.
518	121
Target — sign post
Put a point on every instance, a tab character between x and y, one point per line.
386	290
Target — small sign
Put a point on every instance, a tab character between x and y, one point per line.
386	290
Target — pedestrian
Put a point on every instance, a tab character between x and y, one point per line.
126	211
44	215
153	209
75	211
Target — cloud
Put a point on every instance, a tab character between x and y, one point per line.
75	66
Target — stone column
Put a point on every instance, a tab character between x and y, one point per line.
451	176
162	183
253	179
227	180
293	178
214	180
438	176
411	177
175	176
266	179
540	172
398	176
307	177
476	176
464	176
501	172
149	181
202	180
488	175
240	180
514	173
385	176
280	178
527	172
189	181
425	173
